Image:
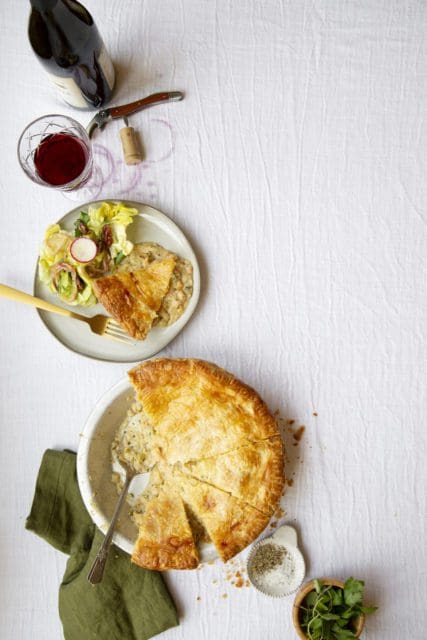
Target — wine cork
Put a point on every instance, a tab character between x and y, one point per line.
130	146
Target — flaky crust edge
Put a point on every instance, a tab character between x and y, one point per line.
169	554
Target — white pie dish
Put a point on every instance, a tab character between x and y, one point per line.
94	468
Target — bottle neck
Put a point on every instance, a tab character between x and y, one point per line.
43	5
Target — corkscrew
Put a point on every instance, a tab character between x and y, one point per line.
130	143
106	115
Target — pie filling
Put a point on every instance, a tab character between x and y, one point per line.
199	531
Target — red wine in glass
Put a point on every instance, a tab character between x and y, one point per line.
60	158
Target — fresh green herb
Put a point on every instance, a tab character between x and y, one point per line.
80	225
119	257
329	613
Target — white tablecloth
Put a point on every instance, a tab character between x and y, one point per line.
296	165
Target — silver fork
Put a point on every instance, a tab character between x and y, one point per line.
99	324
97	570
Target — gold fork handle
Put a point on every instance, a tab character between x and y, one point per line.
20	296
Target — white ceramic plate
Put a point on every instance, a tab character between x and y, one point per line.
149	226
94	468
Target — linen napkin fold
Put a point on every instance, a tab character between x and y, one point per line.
130	603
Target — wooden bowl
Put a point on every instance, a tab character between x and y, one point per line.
359	622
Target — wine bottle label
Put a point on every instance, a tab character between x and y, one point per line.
107	68
68	90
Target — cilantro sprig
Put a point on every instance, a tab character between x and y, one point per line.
328	613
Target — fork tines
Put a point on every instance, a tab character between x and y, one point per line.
115	331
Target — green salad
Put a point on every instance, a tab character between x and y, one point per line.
69	262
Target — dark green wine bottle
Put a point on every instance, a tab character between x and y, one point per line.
67	42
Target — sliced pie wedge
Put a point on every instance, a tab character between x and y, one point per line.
133	298
165	540
253	473
198	410
230	524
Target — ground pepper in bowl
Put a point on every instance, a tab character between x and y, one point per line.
266	558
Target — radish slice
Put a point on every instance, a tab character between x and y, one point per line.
83	250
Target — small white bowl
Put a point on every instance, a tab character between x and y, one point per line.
289	575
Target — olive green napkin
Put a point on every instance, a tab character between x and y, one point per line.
130	603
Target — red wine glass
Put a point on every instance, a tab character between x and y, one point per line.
55	151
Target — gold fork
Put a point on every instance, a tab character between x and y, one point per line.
101	325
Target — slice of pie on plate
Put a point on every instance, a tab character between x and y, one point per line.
230	524
133	298
198	410
253	473
165	540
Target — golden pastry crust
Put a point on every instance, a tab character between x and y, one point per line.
253	474
133	298
165	540
198	410
218	448
230	524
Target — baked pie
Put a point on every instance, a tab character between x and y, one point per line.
217	451
133	298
